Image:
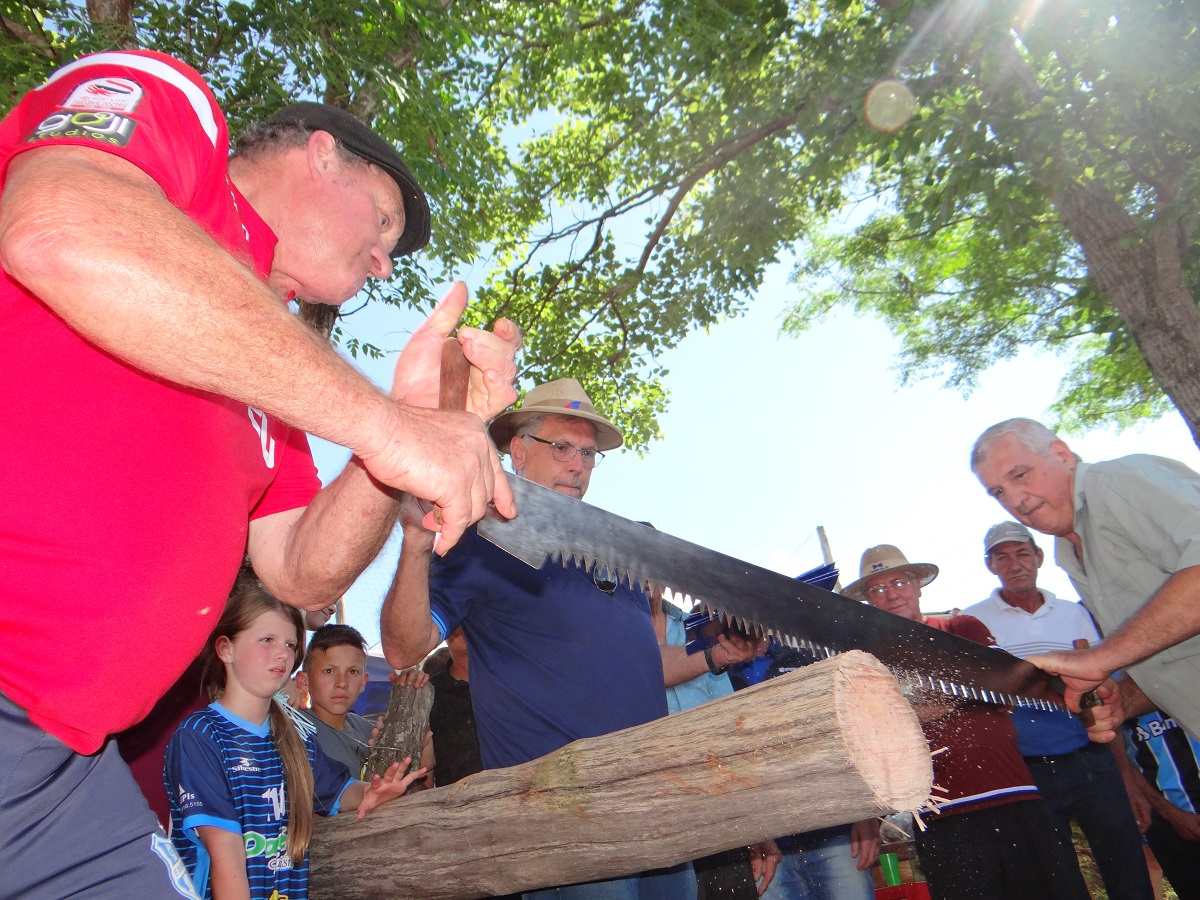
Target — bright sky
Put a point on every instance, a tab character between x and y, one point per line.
768	437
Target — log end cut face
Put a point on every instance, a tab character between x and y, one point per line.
883	736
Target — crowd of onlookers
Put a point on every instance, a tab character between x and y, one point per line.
1009	782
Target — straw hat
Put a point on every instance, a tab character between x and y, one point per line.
564	397
886	558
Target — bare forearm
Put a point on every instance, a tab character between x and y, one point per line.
1136	780
1170	617
187	311
406	627
312	558
1133	701
351	797
679	666
228	863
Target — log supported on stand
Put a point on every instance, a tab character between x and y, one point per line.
831	743
402	733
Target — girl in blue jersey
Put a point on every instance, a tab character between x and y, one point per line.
242	781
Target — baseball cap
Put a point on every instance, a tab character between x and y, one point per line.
1005	531
364	143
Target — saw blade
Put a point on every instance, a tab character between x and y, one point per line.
552	527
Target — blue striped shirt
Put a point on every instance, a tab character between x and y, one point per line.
1168	757
224	771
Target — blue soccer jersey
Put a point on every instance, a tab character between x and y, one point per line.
224	771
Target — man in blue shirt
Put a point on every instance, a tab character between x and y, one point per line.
556	654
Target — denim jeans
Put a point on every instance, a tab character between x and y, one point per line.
673	883
818	866
1086	786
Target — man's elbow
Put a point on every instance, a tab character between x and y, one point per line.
44	217
405	650
33	251
308	593
401	658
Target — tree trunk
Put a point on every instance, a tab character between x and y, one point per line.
1142	276
1138	265
113	19
405	725
831	743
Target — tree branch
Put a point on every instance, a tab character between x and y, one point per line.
27	36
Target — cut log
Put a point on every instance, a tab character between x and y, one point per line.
403	731
832	743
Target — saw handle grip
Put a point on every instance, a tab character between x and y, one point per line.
456	376
1090	699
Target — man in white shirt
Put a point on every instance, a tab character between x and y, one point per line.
1077	778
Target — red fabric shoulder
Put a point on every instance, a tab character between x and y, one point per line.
143	106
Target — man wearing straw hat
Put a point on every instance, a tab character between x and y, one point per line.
556	654
992	837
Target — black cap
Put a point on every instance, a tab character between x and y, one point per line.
366	144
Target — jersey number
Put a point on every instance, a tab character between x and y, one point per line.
278	801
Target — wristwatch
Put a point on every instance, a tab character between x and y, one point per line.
712	666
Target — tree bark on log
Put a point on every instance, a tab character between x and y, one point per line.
832	743
403	731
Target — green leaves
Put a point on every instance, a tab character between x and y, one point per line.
615	174
970	255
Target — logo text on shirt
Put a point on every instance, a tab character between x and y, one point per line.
105	95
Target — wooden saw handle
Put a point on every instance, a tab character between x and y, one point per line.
456	376
1090	699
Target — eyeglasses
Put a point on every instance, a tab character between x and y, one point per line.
897	584
566	452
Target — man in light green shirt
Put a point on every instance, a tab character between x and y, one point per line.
1127	531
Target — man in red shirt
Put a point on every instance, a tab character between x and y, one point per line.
157	390
992	838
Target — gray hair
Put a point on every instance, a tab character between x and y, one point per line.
265	138
533	425
1033	436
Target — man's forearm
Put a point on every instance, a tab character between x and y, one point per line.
311	557
679	666
1168	618
1133	701
1138	781
187	311
406	627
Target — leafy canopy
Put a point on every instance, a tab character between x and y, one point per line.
965	254
624	171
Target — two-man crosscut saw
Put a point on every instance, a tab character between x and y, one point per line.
552	527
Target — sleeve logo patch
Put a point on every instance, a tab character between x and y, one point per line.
106	95
100	126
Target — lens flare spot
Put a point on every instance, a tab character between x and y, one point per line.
889	105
